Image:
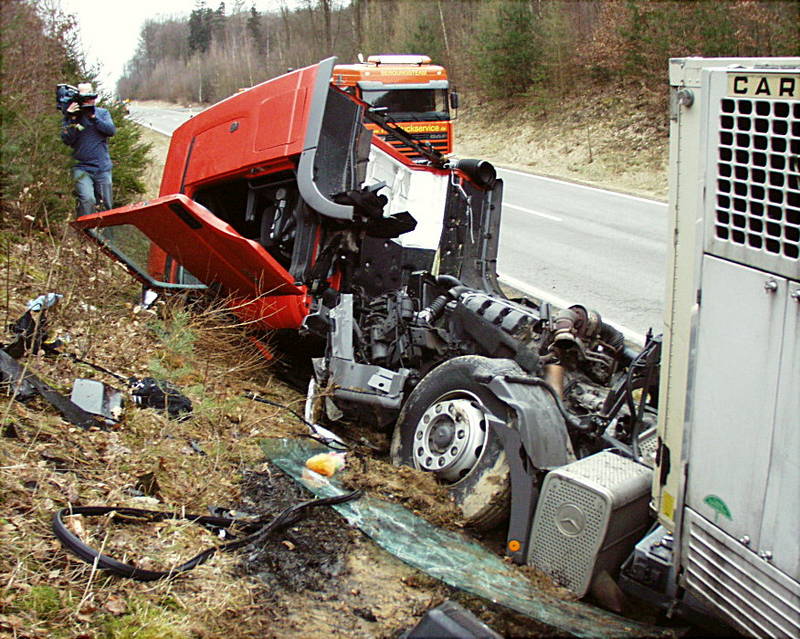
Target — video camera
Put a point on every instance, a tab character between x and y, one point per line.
66	94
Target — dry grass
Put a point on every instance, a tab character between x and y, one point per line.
614	139
159	146
47	464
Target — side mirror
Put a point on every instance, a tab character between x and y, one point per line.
454	100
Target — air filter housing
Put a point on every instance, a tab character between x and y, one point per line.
589	516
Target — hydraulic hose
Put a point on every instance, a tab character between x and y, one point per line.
434	310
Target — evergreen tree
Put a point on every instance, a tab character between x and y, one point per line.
39	51
254	27
426	35
507	51
200	28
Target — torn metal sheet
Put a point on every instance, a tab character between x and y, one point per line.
97	398
452	557
22	381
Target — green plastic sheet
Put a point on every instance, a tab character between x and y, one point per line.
451	557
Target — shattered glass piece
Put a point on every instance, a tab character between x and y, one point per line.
452	557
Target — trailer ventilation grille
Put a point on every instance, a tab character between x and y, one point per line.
758	178
760	600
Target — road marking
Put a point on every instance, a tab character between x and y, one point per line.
558	302
583	186
148	125
539	213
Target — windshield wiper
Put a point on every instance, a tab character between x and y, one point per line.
388	124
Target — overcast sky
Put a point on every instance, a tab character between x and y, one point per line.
110	30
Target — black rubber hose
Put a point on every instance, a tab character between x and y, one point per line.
434	310
448	280
84	552
612	337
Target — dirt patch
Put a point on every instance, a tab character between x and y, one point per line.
307	556
417	491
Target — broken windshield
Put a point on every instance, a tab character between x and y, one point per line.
134	249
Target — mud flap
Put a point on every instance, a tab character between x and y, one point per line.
535	442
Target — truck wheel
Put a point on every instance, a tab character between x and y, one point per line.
443	429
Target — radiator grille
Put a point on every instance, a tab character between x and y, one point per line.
754	595
757	199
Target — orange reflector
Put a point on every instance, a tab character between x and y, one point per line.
514	545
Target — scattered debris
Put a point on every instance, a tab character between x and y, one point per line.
23	385
450	621
149	296
97	398
90	398
326	463
257	531
196	447
161	395
30	330
316	432
147	484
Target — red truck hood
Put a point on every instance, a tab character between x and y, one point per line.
212	251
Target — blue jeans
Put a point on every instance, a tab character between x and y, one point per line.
91	187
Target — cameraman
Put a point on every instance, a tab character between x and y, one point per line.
86	128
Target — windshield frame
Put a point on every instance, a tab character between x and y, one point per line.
375	97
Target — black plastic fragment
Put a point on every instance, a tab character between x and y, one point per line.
25	384
450	621
161	395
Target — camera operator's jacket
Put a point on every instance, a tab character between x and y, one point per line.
88	138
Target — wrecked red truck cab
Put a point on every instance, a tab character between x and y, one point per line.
255	189
280	200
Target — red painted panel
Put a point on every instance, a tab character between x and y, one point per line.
243	132
210	249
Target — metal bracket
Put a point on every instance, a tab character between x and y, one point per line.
524	491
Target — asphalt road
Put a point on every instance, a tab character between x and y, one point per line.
572	244
562	242
161	119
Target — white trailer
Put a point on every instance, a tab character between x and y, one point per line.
726	478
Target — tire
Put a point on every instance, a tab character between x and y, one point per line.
442	428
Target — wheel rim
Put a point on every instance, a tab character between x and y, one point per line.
450	437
